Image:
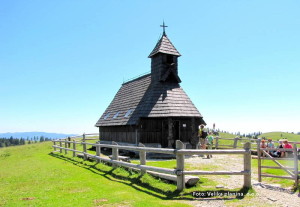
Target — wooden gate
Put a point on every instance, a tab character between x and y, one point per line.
262	154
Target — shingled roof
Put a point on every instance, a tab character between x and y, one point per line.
164	45
146	99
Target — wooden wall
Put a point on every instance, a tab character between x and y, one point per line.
153	130
118	133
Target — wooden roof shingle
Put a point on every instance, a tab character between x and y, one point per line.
164	45
147	99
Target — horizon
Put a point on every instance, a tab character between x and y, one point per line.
219	130
62	63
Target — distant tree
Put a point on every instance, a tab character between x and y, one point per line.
11	140
22	141
42	139
16	141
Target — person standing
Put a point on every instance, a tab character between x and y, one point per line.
202	134
210	140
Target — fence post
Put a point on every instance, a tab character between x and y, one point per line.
66	146
84	147
74	148
247	165
295	152
60	145
98	151
115	153
180	166
217	142
142	157
54	148
69	144
235	142
258	160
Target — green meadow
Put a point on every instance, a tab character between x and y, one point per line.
31	175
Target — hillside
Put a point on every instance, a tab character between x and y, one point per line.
34	134
273	135
281	135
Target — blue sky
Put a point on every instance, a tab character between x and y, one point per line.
62	62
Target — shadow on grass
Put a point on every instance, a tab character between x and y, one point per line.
137	183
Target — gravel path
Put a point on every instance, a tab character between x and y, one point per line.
266	194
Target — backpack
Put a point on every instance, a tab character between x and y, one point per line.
203	134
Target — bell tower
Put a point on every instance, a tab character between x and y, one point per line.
164	64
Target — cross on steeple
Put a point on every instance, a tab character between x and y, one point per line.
164	26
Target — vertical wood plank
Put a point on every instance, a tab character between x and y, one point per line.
136	136
180	166
295	152
115	154
235	142
98	151
170	133
54	148
60	145
69	144
247	165
74	148
66	146
84	147
217	142
142	157
258	159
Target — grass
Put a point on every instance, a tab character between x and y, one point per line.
31	176
281	135
282	182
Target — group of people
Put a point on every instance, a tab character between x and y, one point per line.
276	151
206	142
205	139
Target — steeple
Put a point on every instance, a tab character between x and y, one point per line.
164	26
164	65
164	45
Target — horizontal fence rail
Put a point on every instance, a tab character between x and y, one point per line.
180	152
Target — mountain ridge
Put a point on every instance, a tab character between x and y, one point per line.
51	135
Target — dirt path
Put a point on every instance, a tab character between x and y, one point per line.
266	194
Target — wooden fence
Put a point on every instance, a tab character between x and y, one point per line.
263	154
179	152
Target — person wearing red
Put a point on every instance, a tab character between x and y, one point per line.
287	145
263	144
